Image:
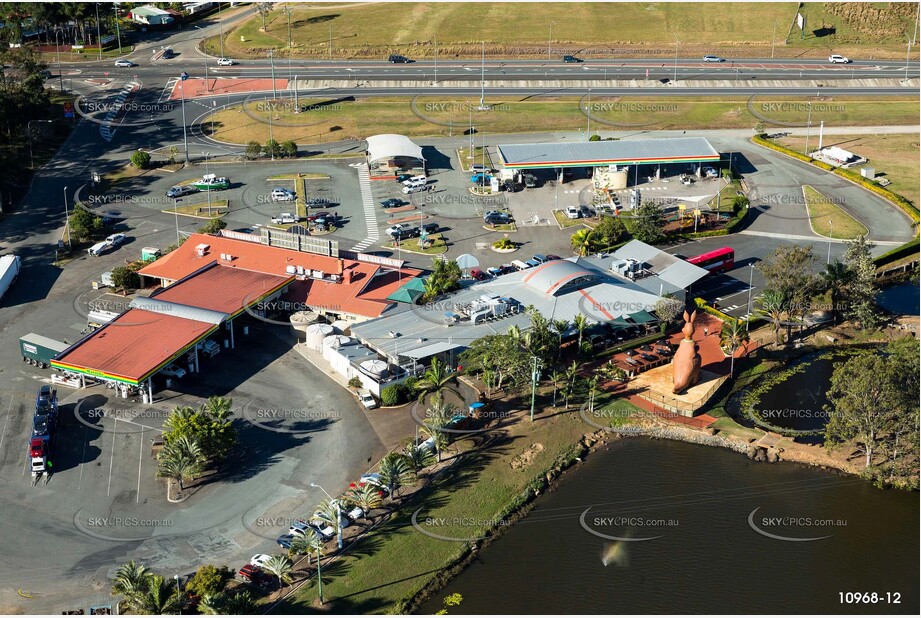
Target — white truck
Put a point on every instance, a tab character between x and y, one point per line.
285	217
9	270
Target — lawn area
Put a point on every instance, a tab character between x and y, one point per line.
395	561
894	156
376	30
200	209
564	221
334	120
412	244
723	201
828	219
480	156
502	227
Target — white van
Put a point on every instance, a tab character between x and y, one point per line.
99	248
415	180
519	265
414	188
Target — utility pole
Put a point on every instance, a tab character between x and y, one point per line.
907	59
535	376
588	115
70	243
330	40
436	59
319	575
808	126
483	77
176	210
57	45
831	233
98	36
549	40
118	32
272	58
675	79
773	37
220	28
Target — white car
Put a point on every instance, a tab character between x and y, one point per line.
712	58
115	239
260	560
352	512
285	217
838	59
99	248
323	529
225	62
344	520
122	63
367	400
283	195
173	371
573	212
397	228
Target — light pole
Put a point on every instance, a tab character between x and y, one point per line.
118	32
98	36
319	575
549	39
751	272
831	233
205	58
179	592
272	58
535	376
29	131
808	126
176	210
338	515
70	243
220	28
773	36
206	155
57	46
436	59
675	79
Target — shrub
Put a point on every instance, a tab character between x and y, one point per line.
504	243
253	150
909	248
272	148
84	225
213	226
288	148
595	138
393	395
209	579
140	159
125	278
355	382
410	383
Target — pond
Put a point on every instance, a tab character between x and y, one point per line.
798	401
902	298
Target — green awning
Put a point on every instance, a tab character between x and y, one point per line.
642	317
410	292
620	322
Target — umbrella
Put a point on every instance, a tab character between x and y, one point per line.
646	348
631	352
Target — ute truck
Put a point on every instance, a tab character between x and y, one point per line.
38	351
9	270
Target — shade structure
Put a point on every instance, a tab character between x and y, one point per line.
467	261
620	322
642	317
630	352
646	348
410	292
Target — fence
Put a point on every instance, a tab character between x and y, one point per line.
678	406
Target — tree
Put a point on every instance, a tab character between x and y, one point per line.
280	566
861	285
240	604
328	512
84	225
131	581
209	580
396	472
560	327
862	401
556	379
581	242
772	305
181	461
393	395
173	153
501	359
140	159
264	8
835	279
647	224
789	271
124	278
253	149
435	379
218	408
595	138
733	337
272	149
571	375
608	232
365	496
419	457
668	309
436	419
208	426
758	128
213	226
581	323
160	597
288	148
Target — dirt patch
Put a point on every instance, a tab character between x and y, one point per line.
527	458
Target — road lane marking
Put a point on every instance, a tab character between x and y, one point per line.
83	457
3	435
112	460
140	464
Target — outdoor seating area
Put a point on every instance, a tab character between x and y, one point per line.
644	357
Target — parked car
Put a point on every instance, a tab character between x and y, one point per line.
260	560
540	258
99	248
285	217
367	400
571	59
173	371
552	256
46	400
285	540
495	271
478	274
573	212
373	478
416	188
352	512
319	518
398	59
519	265
403	234
839	59
323	530
530	181
392	203
403	177
393	229
115	239
180	190
431	228
511	186
283	195
495	217
168	53
122	63
712	58
479	168
317	202
225	62
532	263
480	179
255	575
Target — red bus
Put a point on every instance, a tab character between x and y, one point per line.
717	261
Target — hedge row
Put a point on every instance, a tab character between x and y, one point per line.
730	228
725	317
909	248
866	183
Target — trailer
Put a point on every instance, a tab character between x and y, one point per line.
9	270
38	350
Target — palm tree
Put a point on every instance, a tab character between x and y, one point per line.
161	597
240	604
131	581
435	379
419	457
328	513
572	372
178	464
212	604
560	326
436	418
280	566
556	378
365	496
218	408
179	413
772	304
581	242
835	279
733	337
306	544
396	471
580	322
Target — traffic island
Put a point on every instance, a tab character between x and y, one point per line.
435	245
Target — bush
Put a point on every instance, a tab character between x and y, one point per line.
253	150
410	383
140	159
84	225
595	138
504	243
213	226
909	248
209	579
288	148
393	395
355	382
125	278
272	149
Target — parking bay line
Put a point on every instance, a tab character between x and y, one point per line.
140	462
8	410
112	459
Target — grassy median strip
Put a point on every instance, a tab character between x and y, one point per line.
218	209
480	156
563	221
413	245
828	219
395	561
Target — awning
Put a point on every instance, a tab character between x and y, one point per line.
410	292
390	145
620	322
642	317
430	350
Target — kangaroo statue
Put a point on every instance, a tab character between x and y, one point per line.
686	362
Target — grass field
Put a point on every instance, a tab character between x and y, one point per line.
828	219
356	118
894	156
517	30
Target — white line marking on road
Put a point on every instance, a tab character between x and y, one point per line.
112	460
83	457
140	464
3	435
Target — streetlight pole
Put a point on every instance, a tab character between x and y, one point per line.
319	575
436	59
57	47
98	36
338	515
831	233
675	79
70	243
272	58
176	210
549	40
808	126
118	32
751	272
29	131
535	375
179	592
773	36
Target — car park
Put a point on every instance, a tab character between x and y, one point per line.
173	371
122	63
540	258
367	400
398	59
478	274
573	212
181	190
570	59
393	202
552	256
283	195
838	59
495	271
285	217
225	62
532	263
712	58
115	239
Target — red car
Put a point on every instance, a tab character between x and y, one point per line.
36	447
257	576
478	274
